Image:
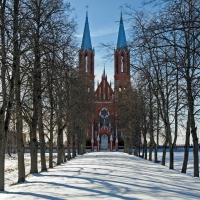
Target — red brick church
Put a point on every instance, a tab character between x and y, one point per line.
104	132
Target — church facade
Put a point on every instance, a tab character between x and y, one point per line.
104	131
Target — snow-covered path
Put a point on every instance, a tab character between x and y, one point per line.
106	175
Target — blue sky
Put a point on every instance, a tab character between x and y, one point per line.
103	18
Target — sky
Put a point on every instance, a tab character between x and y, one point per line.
107	175
104	16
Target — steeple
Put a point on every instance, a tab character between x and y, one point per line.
121	42
86	52
86	41
121	62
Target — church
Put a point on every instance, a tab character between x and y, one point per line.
104	131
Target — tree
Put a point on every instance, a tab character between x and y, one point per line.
169	42
17	85
130	119
45	19
7	89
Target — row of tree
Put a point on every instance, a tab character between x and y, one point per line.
165	49
42	92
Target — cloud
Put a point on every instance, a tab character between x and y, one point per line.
104	31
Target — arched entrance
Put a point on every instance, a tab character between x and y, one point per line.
104	142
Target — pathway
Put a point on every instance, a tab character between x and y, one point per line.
106	175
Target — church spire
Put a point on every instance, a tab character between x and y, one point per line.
121	42
86	41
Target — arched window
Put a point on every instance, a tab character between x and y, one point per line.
116	65
122	63
86	63
91	67
99	93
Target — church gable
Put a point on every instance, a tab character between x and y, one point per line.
104	91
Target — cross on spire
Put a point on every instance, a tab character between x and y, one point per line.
87	8
121	7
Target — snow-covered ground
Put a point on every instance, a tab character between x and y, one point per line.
11	172
178	160
109	175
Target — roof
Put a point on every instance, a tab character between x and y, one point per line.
121	42
86	41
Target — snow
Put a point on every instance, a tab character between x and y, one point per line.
11	172
108	175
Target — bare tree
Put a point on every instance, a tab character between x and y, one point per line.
17	82
171	39
7	89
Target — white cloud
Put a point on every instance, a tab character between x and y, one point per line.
104	31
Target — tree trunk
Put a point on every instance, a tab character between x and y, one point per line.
125	144
150	151
50	152
130	146
50	87
78	140
187	146
145	140
60	145
171	156
33	131
171	147
155	153
18	106
164	153
36	104
195	148
64	157
73	144
33	152
51	140
193	127
51	131
42	141
145	150
68	146
3	85
83	145
82	142
40	124
2	154
156	145
151	123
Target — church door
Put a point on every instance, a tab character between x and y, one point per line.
104	142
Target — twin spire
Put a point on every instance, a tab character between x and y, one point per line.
86	41
121	42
